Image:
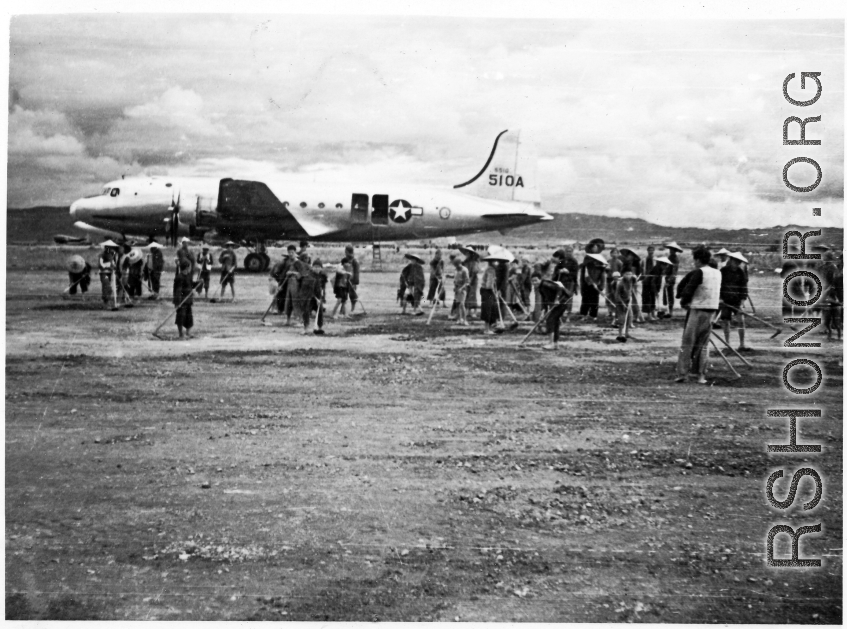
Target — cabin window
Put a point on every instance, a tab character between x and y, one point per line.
168	185
302	204
115	192
338	206
321	205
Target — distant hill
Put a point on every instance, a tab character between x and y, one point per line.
40	224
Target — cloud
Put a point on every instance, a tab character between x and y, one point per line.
678	123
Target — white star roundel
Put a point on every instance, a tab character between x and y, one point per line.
400	211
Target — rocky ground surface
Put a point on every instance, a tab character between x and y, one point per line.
392	470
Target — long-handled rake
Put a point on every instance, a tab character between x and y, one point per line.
435	303
173	312
282	286
70	286
355	295
725	359
500	298
732	349
777	331
220	287
540	321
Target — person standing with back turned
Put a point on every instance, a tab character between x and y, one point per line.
699	292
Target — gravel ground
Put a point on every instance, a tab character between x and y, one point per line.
392	470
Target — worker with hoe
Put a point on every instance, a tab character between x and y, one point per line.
183	297
107	264
699	293
733	294
153	267
286	291
228	262
353	279
557	294
412	283
204	263
592	283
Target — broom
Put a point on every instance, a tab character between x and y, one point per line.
173	312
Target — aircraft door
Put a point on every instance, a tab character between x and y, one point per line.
359	208
380	206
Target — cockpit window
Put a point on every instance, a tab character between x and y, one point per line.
114	192
105	190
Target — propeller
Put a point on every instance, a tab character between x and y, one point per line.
174	219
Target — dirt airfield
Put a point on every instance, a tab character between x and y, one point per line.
392	470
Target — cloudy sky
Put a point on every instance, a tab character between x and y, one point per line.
676	122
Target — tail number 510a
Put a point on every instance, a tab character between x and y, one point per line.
506	180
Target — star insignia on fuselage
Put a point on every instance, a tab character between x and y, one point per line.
400	211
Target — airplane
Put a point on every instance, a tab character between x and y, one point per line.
501	196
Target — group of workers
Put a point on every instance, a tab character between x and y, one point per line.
634	290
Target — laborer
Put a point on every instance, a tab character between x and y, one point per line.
471	263
699	293
412	283
488	311
153	267
592	282
106	266
670	274
341	288
310	294
183	297
624	297
733	293
228	261
350	258
436	279
204	263
461	282
279	273
648	285
79	275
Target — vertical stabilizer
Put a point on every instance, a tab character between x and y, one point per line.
508	175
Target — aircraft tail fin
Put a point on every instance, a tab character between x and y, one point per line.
508	175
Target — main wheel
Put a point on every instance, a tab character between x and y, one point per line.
253	263
266	261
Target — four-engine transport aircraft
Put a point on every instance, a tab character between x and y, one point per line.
503	195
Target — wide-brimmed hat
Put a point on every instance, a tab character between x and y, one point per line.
597	258
469	252
414	258
672	245
76	264
185	239
737	256
229	243
630	252
664	260
154	245
109	243
205	246
135	256
723	252
497	253
616	275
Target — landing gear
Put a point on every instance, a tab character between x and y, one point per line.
254	263
258	261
